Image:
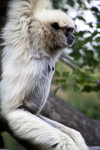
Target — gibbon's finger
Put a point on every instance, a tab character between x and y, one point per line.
73	134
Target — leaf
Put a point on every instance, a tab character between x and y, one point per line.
88	39
81	18
88	71
95	9
87	88
64	87
57	74
97	39
91	25
76	88
92	79
56	90
81	33
76	72
71	3
65	74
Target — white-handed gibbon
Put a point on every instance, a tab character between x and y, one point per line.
34	36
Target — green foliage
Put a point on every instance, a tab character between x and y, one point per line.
86	49
60	80
79	85
10	142
89	104
84	96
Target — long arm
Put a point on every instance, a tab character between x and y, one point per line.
75	135
30	127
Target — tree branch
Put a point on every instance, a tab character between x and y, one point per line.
61	111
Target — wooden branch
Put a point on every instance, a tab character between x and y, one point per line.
68	61
61	111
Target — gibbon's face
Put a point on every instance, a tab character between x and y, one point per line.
67	31
58	29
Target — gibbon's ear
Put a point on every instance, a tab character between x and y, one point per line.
41	5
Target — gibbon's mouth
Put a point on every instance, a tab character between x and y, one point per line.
70	41
69	45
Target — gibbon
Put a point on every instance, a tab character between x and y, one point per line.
34	36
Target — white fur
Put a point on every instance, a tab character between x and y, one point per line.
39	132
31	45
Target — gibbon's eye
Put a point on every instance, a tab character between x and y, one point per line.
69	29
55	26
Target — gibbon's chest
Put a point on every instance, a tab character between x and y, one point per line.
48	69
42	71
40	89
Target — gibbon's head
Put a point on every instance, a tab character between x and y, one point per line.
53	27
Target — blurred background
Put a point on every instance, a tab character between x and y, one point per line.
77	76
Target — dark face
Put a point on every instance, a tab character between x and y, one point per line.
69	35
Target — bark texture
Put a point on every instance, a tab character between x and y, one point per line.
61	111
